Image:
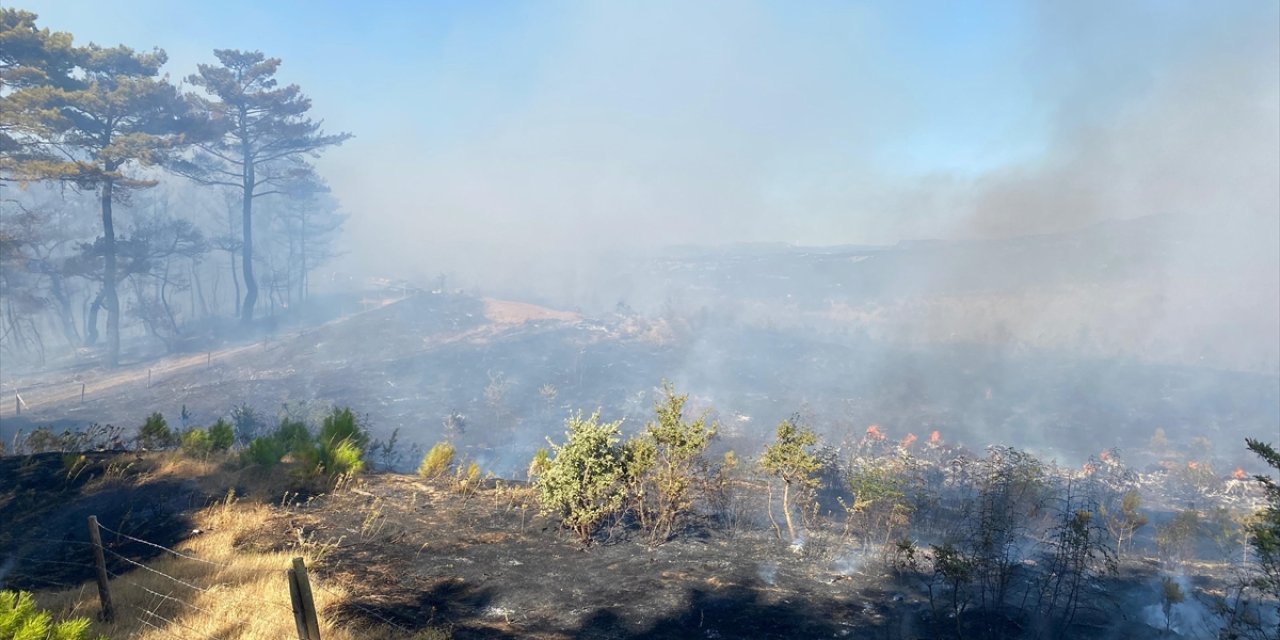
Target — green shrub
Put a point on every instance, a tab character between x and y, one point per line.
791	459
341	425
155	433
341	459
221	435
264	451
437	461
586	480
541	460
197	443
20	619
294	437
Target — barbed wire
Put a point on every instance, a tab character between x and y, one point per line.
158	572
172	622
161	547
160	595
43	561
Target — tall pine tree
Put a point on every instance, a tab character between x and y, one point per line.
97	129
259	128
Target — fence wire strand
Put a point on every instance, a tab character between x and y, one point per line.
161	547
157	572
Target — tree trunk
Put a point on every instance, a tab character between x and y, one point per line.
786	508
246	251
91	320
111	299
235	279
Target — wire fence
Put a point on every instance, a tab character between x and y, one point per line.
162	608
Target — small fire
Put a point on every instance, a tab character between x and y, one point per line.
935	438
1239	474
1105	456
1088	468
1193	465
909	440
873	433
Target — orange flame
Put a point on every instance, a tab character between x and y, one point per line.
873	433
935	438
1088	468
1239	474
909	440
1193	465
1105	455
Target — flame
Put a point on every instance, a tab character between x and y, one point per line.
1088	468
1193	465
1239	474
1105	456
873	433
935	438
909	440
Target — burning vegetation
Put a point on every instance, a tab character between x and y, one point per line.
938	541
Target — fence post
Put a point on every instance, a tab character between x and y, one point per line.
305	604
100	562
296	596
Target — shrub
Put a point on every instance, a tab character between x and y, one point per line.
792	459
437	461
677	447
294	437
221	435
264	451
341	425
342	459
155	433
585	482
197	443
20	618
541	460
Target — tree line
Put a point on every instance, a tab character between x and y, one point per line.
89	128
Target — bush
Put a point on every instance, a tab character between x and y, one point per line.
294	437
791	458
541	460
342	459
341	425
155	433
670	460
21	619
221	435
264	451
437	461
197	443
585	482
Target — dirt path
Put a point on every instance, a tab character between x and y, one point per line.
66	386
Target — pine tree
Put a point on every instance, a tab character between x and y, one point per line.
96	131
258	131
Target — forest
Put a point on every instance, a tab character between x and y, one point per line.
141	205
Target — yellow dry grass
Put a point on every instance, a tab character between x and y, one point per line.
244	594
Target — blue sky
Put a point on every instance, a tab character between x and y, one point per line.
658	122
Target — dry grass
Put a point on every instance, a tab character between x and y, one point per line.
245	593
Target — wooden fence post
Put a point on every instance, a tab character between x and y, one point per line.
100	562
304	605
296	596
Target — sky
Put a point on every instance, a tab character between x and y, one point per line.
490	129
